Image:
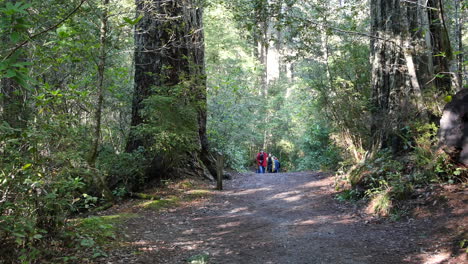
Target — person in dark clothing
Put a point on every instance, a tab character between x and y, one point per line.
269	163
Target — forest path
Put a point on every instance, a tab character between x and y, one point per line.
273	218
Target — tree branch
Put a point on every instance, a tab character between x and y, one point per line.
367	35
19	45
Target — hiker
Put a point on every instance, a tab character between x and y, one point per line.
269	163
277	164
274	165
261	161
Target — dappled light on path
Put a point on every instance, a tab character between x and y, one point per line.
276	218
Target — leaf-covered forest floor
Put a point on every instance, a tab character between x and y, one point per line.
287	218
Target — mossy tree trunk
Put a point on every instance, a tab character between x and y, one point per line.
169	63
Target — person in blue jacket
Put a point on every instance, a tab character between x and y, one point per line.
277	164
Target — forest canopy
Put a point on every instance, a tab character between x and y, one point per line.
102	98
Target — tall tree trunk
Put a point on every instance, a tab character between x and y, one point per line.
426	69
100	84
169	53
101	67
400	66
441	47
394	77
459	36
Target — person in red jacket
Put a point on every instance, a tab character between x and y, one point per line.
262	161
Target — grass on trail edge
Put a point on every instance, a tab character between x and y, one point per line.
172	201
97	234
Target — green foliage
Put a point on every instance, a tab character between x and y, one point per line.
44	176
14	23
319	151
124	171
242	119
386	179
100	229
349	195
171	121
381	202
97	233
157	205
312	117
233	101
37	198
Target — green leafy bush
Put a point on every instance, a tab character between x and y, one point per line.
123	171
385	178
319	151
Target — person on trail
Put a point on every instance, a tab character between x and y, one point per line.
261	161
277	164
269	163
274	165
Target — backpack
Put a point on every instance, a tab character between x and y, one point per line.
260	158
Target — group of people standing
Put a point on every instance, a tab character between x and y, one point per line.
268	162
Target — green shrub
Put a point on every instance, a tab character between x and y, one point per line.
123	171
381	202
386	178
319	150
349	195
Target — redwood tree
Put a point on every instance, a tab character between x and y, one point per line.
410	50
170	79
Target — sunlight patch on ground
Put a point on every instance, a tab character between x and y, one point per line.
306	222
251	191
144	245
222	233
238	210
284	195
170	201
313	184
293	198
189	245
436	259
231	224
188	232
198	193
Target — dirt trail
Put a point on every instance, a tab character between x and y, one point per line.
277	218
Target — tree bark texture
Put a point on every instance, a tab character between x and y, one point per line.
169	51
460	15
442	49
387	76
404	65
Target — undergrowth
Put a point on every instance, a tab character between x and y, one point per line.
97	233
386	178
175	200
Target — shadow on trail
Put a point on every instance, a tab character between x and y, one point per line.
281	218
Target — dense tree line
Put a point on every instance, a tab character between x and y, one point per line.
100	97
